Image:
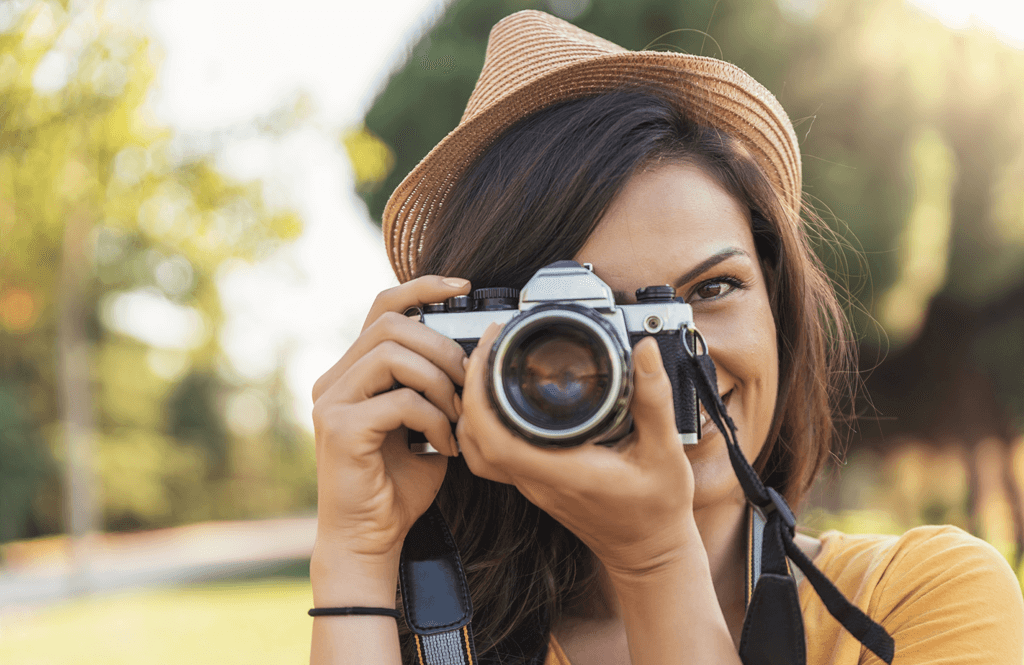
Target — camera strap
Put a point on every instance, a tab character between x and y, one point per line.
773	631
435	594
439	611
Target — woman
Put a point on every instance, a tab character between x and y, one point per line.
657	169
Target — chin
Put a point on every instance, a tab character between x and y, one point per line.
715	481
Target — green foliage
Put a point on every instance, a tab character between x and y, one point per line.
192	418
95	206
23	463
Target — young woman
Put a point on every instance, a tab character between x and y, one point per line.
655	168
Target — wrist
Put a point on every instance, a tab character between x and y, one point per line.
668	573
346	579
659	558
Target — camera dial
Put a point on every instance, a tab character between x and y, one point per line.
496	298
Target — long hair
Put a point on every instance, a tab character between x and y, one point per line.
534	197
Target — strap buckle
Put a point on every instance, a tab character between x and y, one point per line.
777	504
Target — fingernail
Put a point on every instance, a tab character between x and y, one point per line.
648	359
465	362
455	282
458	405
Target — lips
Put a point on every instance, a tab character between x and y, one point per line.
707	426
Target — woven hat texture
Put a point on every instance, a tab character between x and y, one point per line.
535	60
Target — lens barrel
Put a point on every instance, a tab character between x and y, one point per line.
559	375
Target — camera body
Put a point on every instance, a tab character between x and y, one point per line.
560	373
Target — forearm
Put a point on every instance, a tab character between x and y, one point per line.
351	640
672	614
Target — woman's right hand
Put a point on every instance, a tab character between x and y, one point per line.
370	486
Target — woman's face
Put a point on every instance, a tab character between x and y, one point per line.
673	224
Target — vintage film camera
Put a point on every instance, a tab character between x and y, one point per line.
560	373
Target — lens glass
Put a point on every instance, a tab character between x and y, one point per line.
557	375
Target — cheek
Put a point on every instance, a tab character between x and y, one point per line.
767	394
759	380
743	346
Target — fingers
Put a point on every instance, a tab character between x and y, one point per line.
415	292
387	320
478	419
388	362
654	418
490	450
445	353
424	472
476	412
406	408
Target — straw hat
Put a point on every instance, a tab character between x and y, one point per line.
535	60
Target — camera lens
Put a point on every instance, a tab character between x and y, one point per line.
558	376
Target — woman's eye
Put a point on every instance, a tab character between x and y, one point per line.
713	289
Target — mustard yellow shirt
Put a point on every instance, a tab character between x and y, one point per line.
946	597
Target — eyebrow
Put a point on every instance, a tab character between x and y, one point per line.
696	271
709	263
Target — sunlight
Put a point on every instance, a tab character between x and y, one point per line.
1005	19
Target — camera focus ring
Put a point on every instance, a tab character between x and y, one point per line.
559	375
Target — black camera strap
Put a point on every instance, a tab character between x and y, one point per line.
773	631
439	611
435	594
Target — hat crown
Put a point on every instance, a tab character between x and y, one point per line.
526	46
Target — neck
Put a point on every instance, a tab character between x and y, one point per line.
723	529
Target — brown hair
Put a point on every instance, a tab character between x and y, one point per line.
534	197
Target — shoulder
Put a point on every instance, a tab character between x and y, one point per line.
937	553
936	589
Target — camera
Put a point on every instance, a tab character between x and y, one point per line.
560	373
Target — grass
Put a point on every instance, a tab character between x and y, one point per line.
261	620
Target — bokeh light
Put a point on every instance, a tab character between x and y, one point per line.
18	310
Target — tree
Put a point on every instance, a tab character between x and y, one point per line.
104	228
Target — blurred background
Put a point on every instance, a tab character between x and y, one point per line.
190	196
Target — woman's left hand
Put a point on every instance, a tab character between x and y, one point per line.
631	504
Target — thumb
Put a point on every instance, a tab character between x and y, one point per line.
654	417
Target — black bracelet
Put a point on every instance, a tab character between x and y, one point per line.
347	611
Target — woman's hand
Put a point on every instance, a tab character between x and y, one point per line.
631	504
370	487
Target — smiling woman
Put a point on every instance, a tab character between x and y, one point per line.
640	551
627	183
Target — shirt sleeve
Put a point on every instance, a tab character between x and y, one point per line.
948	598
